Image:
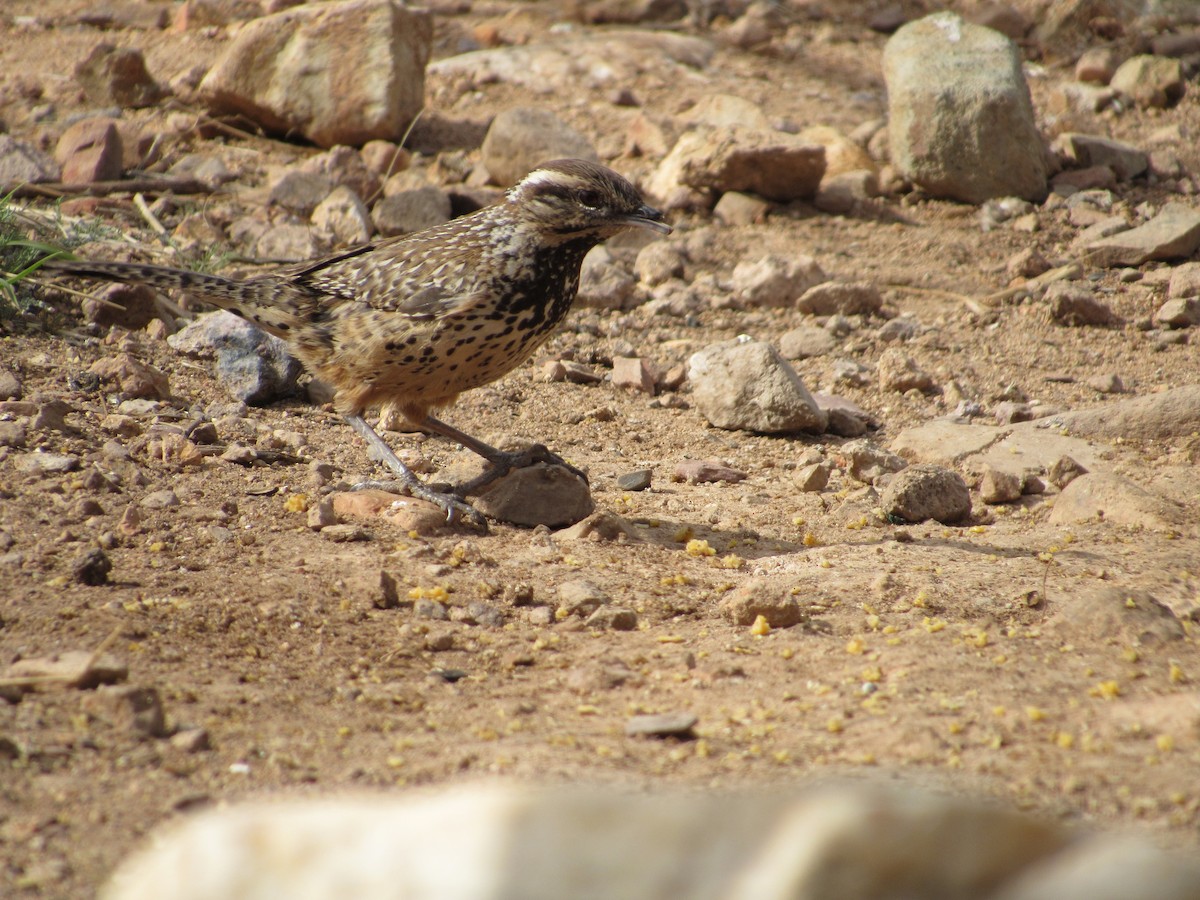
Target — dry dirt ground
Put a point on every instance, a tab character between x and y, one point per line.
269	637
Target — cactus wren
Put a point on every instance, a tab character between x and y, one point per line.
411	322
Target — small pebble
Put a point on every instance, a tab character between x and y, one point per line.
637	480
677	725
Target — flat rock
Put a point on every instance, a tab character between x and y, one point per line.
1083	150
869	463
1171	413
1075	305
702	471
961	121
131	376
924	492
1129	615
302	71
117	76
805	342
537	495
899	372
1179	312
37	463
1172	234
771	164
253	366
1115	500
410	211
841	298
409	513
748	385
72	668
661	725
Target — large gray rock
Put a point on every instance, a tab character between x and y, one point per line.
745	384
925	492
1115	500
520	139
961	121
305	71
22	163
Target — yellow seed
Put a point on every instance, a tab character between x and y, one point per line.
702	748
296	503
1165	743
732	561
933	625
1035	714
586	709
1064	739
811	540
855	646
1175	674
1106	689
834	725
699	548
1129	654
669	639
761	626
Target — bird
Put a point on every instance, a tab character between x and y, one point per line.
409	323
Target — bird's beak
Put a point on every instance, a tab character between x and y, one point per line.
647	217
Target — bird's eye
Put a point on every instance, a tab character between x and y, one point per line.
591	199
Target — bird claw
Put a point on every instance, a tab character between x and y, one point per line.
503	463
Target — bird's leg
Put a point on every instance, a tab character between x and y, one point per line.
501	462
455	507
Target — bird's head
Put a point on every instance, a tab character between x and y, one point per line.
574	198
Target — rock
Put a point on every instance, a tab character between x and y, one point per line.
522	138
1110	383
39	463
846	418
21	163
1126	614
771	164
130	306
998	486
344	166
1150	81
637	480
702	471
321	515
899	372
1114	500
286	243
812	478
600	526
200	13
91	567
1028	263
581	597
253	366
131	376
1097	65
408	513
1172	234
604	283
343	217
1185	281
661	725
1083	150
843	193
136	709
635	374
961	122
762	597
537	495
869	463
659	261
300	192
1182	312
90	150
1173	413
114	76
1076	305
1064	471
613	618
775	281
70	668
735	208
726	110
191	740
411	211
1104	868
12	434
302	71
926	491
805	342
164	499
10	385
840	298
748	385
1008	412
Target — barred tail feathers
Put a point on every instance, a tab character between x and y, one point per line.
256	300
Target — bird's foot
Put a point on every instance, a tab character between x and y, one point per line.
456	508
503	463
